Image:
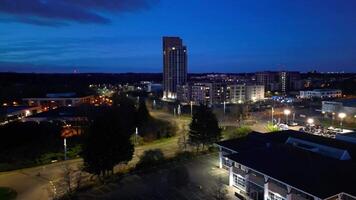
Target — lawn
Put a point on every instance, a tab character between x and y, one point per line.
7	193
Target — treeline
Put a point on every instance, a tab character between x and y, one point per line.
26	144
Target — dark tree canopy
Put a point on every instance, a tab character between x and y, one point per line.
143	115
204	128
107	142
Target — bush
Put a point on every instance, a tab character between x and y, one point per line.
150	158
272	128
7	193
231	133
155	129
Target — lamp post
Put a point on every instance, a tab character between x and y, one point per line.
341	116
191	108
332	118
272	111
65	148
224	107
286	113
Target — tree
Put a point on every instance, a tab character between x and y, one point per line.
204	128
107	142
143	115
150	158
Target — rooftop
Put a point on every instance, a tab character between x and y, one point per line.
313	173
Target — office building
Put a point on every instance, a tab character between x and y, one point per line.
174	66
288	165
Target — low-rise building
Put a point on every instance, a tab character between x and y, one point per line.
288	165
58	99
347	106
320	93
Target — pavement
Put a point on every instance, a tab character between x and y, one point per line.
204	175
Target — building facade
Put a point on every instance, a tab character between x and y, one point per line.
254	92
289	165
237	93
174	66
201	93
320	93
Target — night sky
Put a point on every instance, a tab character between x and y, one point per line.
221	35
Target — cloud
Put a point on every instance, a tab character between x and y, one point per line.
62	12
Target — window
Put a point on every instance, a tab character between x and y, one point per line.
275	196
239	181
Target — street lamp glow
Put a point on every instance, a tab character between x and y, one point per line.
342	115
310	121
286	112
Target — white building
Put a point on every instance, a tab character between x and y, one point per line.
320	93
289	165
255	92
242	93
347	106
237	93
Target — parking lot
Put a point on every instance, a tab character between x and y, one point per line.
204	179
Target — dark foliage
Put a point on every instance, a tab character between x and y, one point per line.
107	141
150	158
23	143
204	128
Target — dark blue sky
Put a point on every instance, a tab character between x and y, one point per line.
221	35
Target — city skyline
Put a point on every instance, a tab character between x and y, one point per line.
125	36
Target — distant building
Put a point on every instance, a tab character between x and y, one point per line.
254	92
220	94
347	106
268	79
237	93
12	113
289	165
174	66
320	93
284	81
288	79
183	93
58	99
201	93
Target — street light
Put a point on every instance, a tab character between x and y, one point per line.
310	121
191	108
341	116
272	111
286	113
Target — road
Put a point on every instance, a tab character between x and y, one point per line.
34	183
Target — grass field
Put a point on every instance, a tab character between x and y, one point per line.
7	193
